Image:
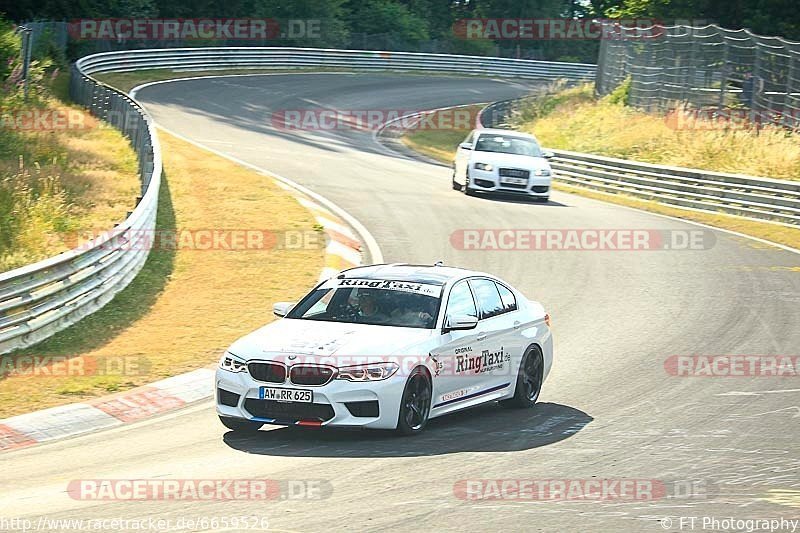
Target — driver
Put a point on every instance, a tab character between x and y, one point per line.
368	308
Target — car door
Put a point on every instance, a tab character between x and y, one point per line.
454	380
462	158
514	326
495	332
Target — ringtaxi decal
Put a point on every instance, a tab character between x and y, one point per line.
402	286
487	361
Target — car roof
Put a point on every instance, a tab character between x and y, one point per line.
431	274
497	131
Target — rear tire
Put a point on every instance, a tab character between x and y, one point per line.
240	425
415	404
529	381
456	185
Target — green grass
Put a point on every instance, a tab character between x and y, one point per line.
440	144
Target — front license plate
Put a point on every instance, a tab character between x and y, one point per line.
514	181
286	395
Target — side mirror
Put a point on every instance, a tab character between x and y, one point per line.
459	322
547	154
282	308
465	146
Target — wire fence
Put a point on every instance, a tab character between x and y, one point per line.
727	73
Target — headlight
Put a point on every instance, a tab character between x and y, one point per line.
231	364
484	166
541	172
371	372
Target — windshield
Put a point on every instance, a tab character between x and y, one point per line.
375	302
507	144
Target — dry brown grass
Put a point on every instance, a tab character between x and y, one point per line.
201	301
62	181
575	122
441	145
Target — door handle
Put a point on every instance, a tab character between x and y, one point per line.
481	337
517	324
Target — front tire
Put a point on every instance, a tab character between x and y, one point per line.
415	405
240	425
529	380
467	190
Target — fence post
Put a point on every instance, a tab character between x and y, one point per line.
27	34
723	82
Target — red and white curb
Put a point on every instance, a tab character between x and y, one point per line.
343	251
106	412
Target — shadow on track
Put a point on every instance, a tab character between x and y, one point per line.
487	428
512	198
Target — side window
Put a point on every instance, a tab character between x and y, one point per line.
489	302
509	301
461	301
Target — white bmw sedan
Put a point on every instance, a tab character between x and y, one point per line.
502	161
387	347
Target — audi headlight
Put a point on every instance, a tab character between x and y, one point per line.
371	372
484	166
541	172
230	363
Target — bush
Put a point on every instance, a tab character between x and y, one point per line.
620	95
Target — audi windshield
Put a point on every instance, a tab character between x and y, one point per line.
507	144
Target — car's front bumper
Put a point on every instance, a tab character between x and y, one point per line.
489	181
336	404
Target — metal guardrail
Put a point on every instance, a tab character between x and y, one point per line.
735	194
188	59
40	299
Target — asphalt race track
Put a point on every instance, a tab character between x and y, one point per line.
609	410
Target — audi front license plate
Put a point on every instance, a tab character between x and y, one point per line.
505	180
286	395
